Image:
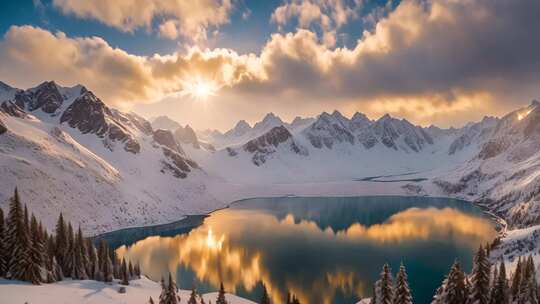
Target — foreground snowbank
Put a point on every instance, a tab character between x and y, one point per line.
93	292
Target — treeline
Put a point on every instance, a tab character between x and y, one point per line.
169	295
486	284
28	252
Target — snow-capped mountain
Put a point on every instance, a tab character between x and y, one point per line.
67	151
504	173
165	123
262	147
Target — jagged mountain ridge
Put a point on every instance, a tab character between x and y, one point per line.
68	151
75	142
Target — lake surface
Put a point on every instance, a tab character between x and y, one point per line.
324	250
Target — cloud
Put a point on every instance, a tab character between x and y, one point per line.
190	19
325	15
443	62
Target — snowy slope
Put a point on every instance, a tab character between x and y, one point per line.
102	168
93	292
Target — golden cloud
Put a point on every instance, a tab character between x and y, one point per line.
190	19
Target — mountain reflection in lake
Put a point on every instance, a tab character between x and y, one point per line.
324	250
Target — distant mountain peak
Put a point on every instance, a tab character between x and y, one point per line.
165	122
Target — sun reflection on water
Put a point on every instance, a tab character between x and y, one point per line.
244	255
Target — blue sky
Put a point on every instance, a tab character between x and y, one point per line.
240	34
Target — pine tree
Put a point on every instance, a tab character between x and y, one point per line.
92	268
499	292
193	296
3	246
221	295
34	267
61	240
17	241
516	280
163	294
124	272
384	288
81	255
151	301
138	270
172	291
480	278
265	298
453	289
402	293
131	271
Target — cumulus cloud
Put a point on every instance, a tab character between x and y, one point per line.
429	61
326	15
29	55
191	19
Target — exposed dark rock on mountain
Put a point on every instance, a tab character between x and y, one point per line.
328	130
9	108
89	114
166	138
177	164
3	128
187	136
267	144
46	97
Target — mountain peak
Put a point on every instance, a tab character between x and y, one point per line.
242	124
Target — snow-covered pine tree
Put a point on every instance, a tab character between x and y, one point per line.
102	259
374	293
516	281
70	258
172	291
528	290
384	287
131	272
35	271
221	295
116	264
17	240
265	298
402	293
500	290
137	270
61	242
163	294
452	290
26	218
124	273
193	296
3	246
151	301
480	278
92	269
79	250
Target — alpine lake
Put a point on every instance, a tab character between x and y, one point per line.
322	249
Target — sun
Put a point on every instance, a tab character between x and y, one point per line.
199	89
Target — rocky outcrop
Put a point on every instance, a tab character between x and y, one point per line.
329	130
268	143
187	136
3	128
89	114
11	109
166	138
178	164
389	130
46	97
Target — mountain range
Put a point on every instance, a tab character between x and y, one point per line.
68	151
